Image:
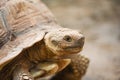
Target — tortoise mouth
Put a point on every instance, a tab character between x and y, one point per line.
73	49
68	51
76	47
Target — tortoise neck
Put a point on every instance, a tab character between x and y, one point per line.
39	52
49	53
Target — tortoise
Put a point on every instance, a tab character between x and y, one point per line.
33	45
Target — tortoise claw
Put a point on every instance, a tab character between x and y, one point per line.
25	77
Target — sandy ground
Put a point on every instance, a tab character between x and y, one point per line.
99	22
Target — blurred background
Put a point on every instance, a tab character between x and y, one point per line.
99	21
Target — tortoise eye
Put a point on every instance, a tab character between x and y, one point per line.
67	38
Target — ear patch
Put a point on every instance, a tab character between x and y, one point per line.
54	42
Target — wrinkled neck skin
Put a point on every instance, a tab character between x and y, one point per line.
39	52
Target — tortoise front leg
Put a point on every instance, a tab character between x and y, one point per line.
75	71
48	68
22	73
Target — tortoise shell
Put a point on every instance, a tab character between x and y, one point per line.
22	24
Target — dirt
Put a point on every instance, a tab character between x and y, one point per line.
98	20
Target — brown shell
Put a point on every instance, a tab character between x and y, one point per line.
28	20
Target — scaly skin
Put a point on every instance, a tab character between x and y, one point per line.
75	71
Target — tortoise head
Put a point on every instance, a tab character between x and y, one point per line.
64	41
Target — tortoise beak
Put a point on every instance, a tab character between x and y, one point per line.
80	42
